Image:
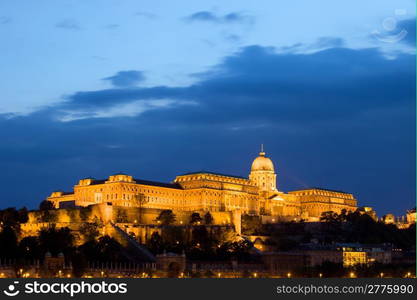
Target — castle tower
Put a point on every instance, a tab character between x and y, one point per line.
263	173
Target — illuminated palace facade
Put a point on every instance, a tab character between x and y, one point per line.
204	191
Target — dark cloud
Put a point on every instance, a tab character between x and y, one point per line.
393	31
257	82
68	24
328	42
203	16
410	27
234	38
321	44
207	16
126	78
145	14
112	26
338	118
5	20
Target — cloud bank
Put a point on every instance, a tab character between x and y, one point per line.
338	118
211	17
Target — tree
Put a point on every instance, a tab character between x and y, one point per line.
155	243
208	218
251	225
329	217
9	217
46	205
23	215
200	236
29	248
8	242
79	264
73	215
56	240
141	200
85	214
173	238
241	249
226	236
109	249
104	249
89	231
331	225
48	216
166	217
195	219
342	217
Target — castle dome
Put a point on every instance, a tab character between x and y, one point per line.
262	163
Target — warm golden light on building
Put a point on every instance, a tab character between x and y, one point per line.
205	191
352	258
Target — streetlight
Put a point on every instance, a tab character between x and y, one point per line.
352	275
289	275
320	275
255	275
381	274
219	274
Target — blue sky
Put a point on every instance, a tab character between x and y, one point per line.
159	88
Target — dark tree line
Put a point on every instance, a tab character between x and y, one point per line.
357	227
346	227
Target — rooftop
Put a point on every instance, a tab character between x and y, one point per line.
213	173
321	189
160	184
143	182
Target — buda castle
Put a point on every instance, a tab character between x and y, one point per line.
206	191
